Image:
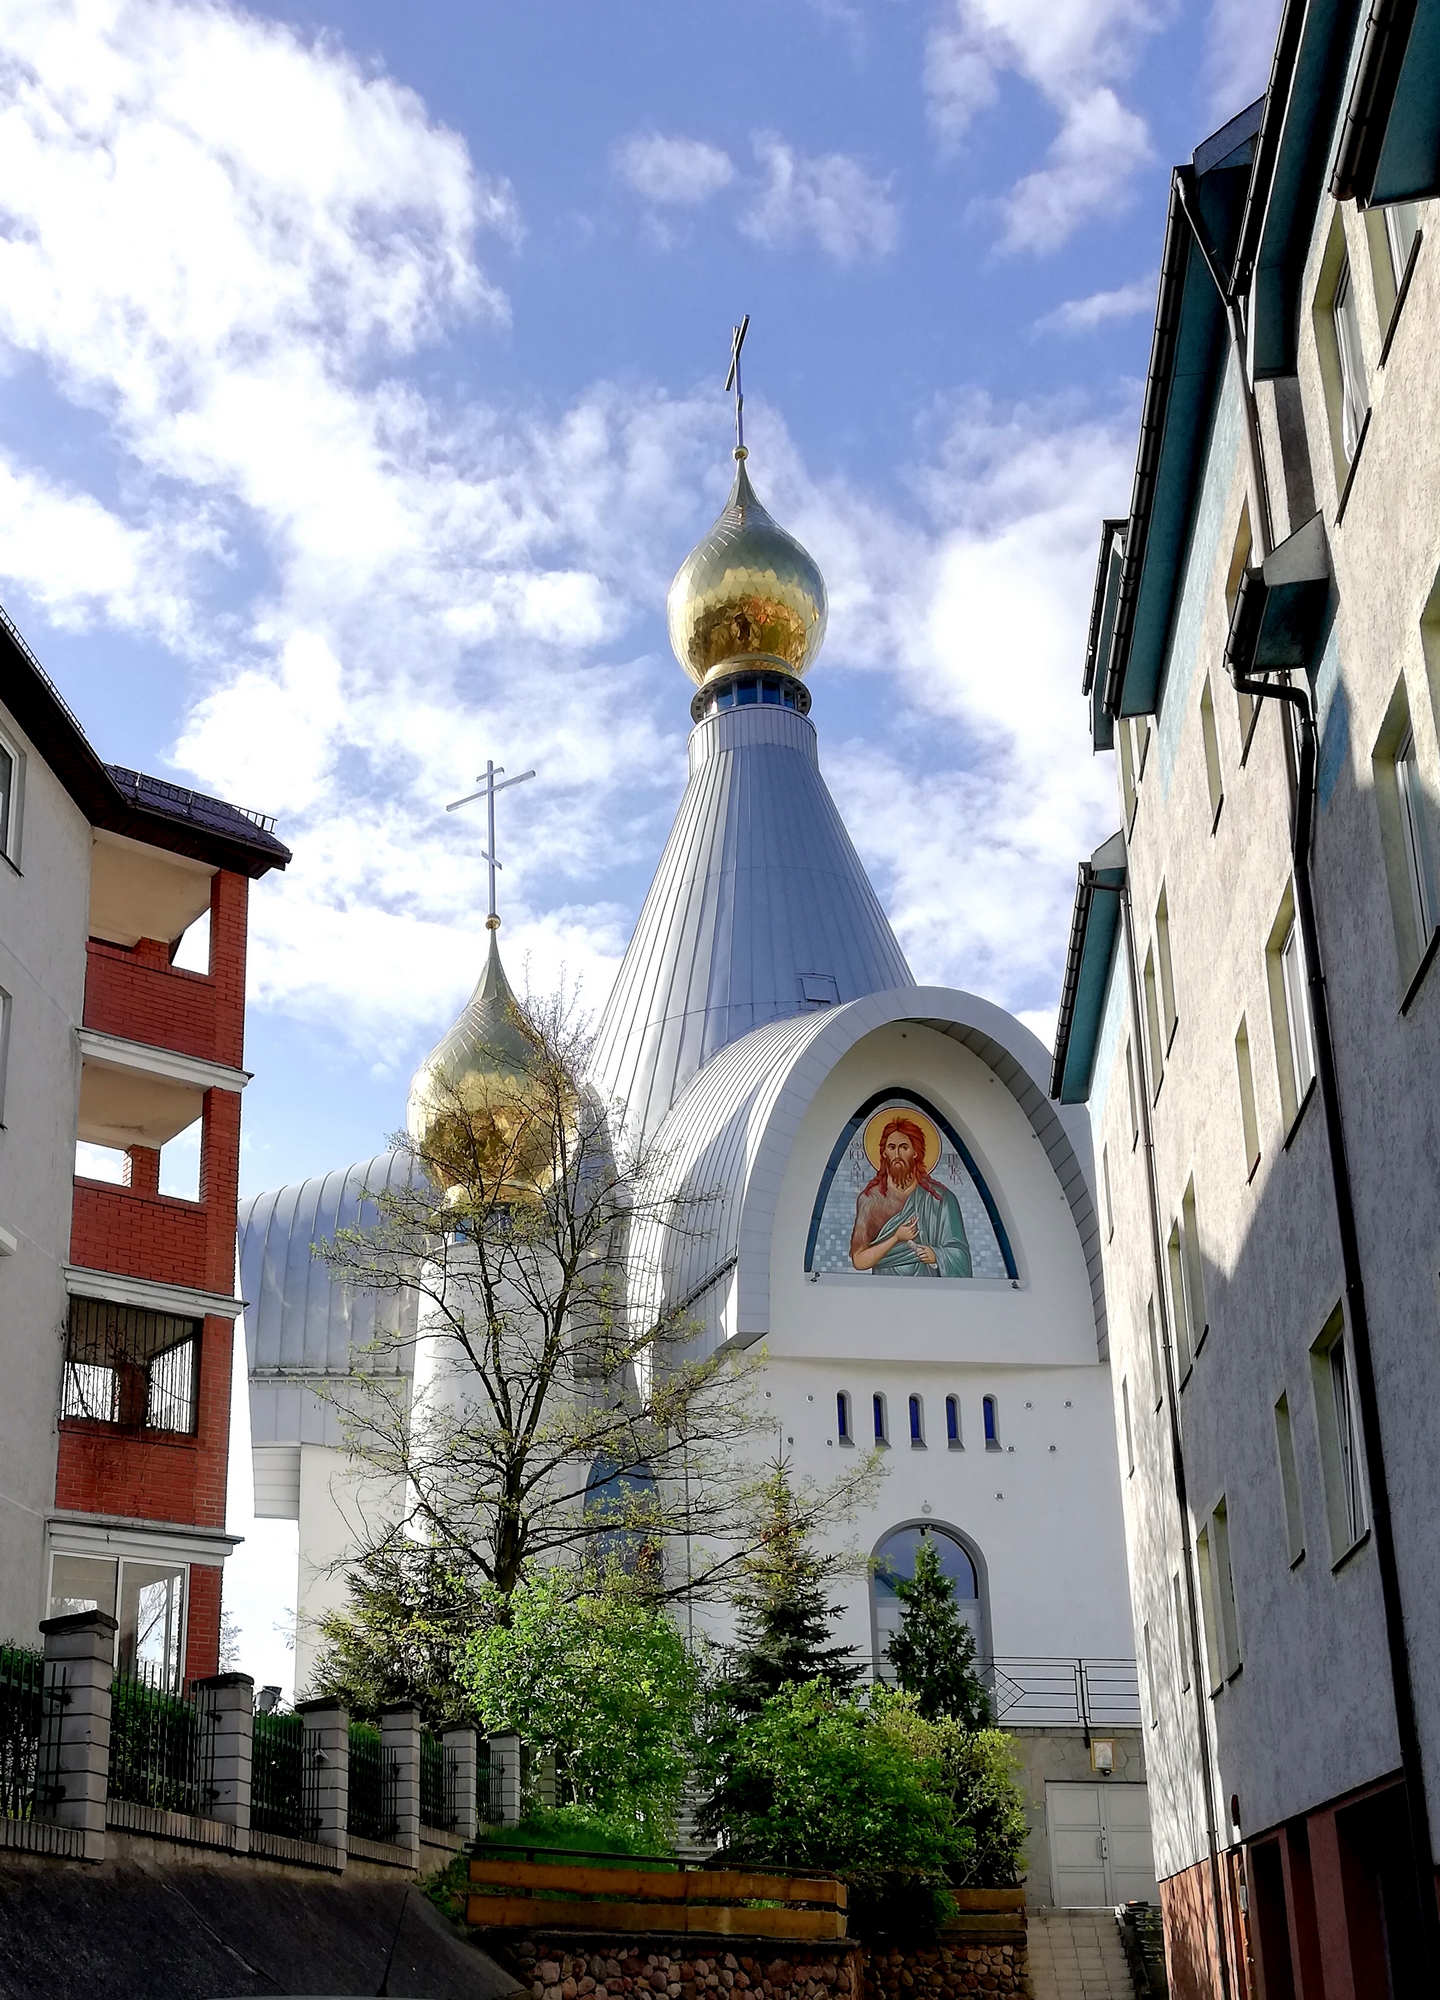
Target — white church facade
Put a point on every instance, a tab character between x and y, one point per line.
894	1207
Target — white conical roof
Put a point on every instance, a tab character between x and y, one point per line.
759	910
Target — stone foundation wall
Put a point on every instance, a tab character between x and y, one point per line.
951	1970
556	1969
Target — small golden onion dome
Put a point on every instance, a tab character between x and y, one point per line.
475	1117
748	593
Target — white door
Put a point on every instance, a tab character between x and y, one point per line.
1100	1850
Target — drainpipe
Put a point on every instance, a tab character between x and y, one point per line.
1240	651
1177	1447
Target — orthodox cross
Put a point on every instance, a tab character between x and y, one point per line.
732	380
487	792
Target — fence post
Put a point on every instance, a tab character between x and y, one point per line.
457	1741
327	1740
230	1700
400	1739
505	1780
80	1651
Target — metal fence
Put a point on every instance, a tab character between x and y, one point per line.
374	1774
284	1778
439	1783
30	1698
1060	1694
162	1745
482	1782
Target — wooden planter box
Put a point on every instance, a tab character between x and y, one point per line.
986	1916
709	1902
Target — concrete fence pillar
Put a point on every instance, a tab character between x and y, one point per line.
505	1780
400	1739
75	1750
230	1700
462	1757
327	1743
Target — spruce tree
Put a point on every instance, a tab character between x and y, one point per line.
785	1623
933	1653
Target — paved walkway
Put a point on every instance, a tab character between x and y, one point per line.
1077	1955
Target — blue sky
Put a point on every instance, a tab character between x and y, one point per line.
361	392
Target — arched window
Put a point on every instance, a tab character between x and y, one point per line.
882	1433
992	1424
952	1423
842	1417
917	1424
895	1557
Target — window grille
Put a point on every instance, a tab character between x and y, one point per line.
129	1367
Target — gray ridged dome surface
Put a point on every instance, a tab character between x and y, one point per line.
760	910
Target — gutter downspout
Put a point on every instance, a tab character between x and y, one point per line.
1239	652
1177	1447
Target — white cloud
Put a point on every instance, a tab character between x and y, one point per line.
83	564
1071	51
832	198
1100	308
673	172
1240	39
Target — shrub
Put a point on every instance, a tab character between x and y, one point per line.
989	1801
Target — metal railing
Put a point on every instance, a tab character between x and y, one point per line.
482	1782
284	1778
162	1745
1063	1694
439	1783
374	1774
30	1698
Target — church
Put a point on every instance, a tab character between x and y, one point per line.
894	1207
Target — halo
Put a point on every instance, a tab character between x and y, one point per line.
876	1125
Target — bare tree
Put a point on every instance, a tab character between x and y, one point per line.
554	1417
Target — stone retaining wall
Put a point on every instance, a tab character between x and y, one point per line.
951	1970
565	1969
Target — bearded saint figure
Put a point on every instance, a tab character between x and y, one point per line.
907	1225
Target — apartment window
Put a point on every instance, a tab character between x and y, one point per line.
1416	837
1109	1203
952	1423
842	1418
1134	1100
1129	1432
131	1368
1290	1011
1245	1076
147	1598
1338	1424
1402	226
1405	835
1154	1704
917	1424
1182	1631
1289	1482
1217	1597
1187	1296
1129	797
1354	389
882	1435
1239	563
1157	1372
1211	740
6	1004
992	1424
1152	1024
12	774
1167	972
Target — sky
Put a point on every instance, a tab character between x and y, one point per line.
361	390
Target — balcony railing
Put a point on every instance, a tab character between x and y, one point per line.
1064	1694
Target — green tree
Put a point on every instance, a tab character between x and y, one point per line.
785	1622
401	1636
933	1653
988	1801
603	1682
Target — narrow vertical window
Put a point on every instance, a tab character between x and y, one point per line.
1239	563
1154	1704
1157	1372
1245	1075
1417	839
1167	972
917	1424
1225	1588
1109	1202
952	1422
1345	1433
1179	1302
1338	1424
1289	1482
7	799
6	1003
992	1424
1152	1025
878	1404
1402	226
1194	1272
1297	1011
1182	1633
1129	1432
1211	740
1128	795
1209	1616
842	1418
1354	390
1134	1101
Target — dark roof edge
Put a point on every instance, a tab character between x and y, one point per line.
1173	262
1109	529
154	812
1267	145
1104	873
1377	76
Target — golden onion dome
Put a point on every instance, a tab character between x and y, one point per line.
475	1116
748	594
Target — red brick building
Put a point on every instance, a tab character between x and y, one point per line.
141	1395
